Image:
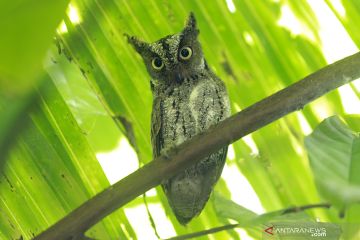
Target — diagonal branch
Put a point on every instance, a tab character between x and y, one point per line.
290	99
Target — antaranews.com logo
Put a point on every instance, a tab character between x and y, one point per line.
304	230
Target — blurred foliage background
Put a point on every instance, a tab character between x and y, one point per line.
75	106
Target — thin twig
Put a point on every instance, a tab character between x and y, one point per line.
205	232
290	99
306	207
151	219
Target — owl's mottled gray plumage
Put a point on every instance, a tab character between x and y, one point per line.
187	99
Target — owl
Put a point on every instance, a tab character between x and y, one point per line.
188	98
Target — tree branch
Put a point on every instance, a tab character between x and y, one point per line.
290	99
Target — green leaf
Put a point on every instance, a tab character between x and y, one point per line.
108	97
49	171
252	222
229	209
247	218
13	111
334	153
353	121
27	28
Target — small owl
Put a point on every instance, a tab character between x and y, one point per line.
188	98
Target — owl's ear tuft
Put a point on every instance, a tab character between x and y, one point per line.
190	25
139	46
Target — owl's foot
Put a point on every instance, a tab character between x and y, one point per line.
166	153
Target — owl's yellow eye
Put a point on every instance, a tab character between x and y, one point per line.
185	53
157	63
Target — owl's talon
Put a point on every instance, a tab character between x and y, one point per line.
166	154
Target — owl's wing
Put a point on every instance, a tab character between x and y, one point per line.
221	162
156	121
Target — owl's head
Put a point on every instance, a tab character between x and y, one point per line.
174	58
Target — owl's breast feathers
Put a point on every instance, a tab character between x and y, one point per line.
178	115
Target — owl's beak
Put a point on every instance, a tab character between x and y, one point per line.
179	78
